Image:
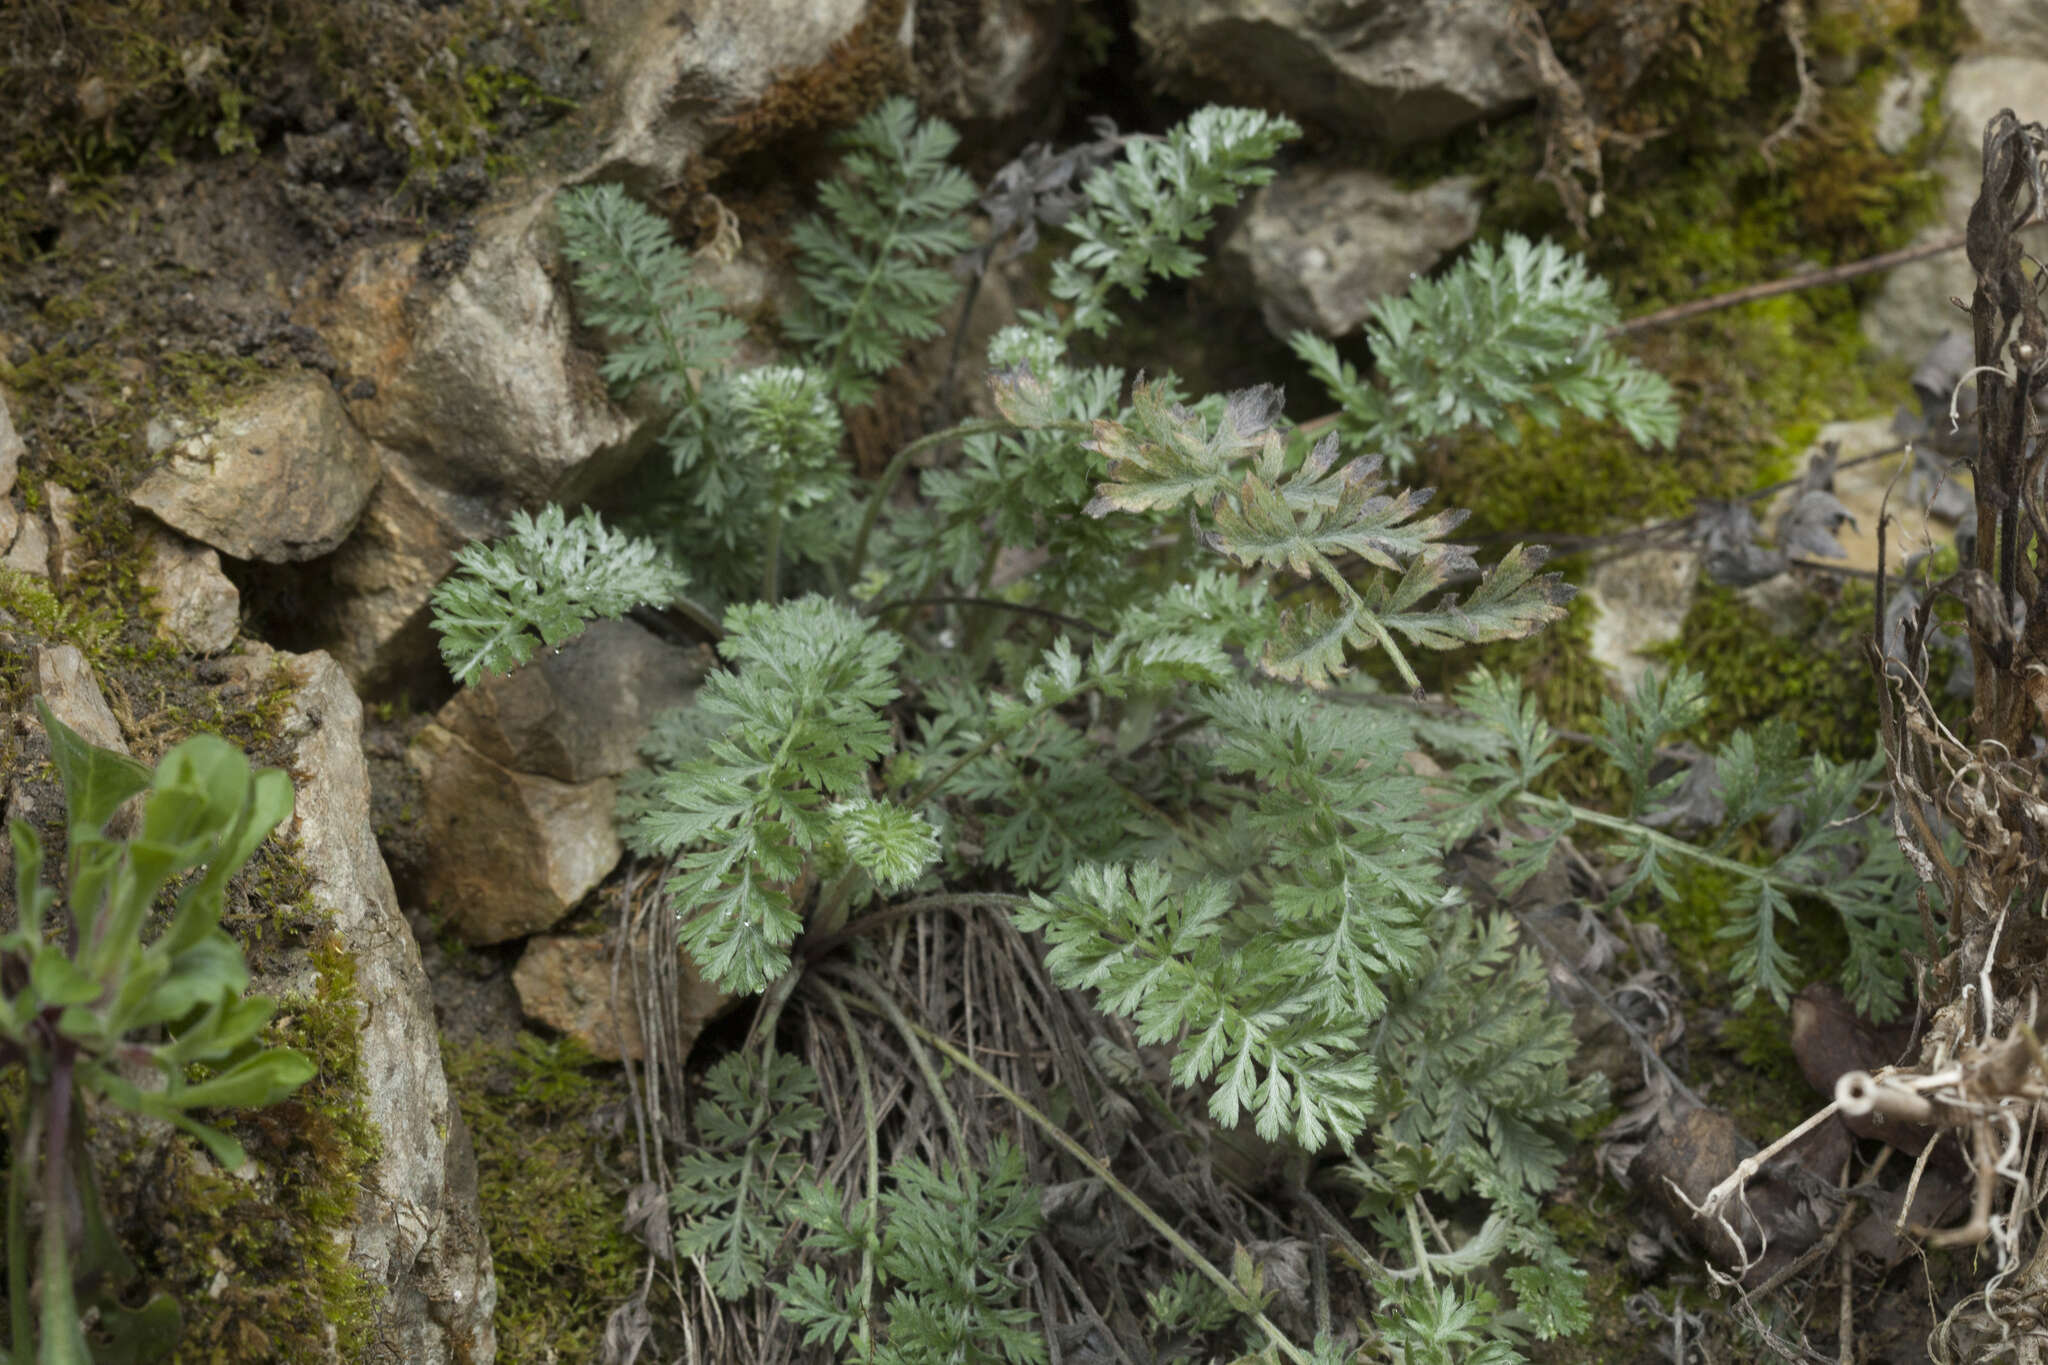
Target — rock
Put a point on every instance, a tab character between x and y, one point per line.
66	550
1863	489
420	1232
281	476
673	86
10	523
577	713
1911	309
1319	244
1902	109
65	683
1639	600
509	853
1397	71
30	552
377	623
566	983
988	63
2017	28
12	448
200	610
468	369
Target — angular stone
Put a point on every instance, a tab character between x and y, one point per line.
986	63
12	449
281	476
65	682
672	88
200	609
420	1232
30	552
511	853
66	550
1639	600
578	712
1911	308
378	622
1398	71
566	983
1320	244
473	375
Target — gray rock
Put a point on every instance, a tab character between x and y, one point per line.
65	683
1911	309
10	524
566	983
577	713
1902	109
1399	71
672	86
420	1233
2016	28
509	853
377	624
200	610
1319	244
281	476
66	549
30	551
471	374
12	448
986	63
1639	600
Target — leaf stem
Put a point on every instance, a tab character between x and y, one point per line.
1100	1170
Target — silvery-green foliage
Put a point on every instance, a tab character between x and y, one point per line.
1519	329
784	778
540	584
1231	472
939	1245
638	286
1146	213
103	1005
736	1190
1833	852
875	270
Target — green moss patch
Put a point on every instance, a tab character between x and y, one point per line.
553	1217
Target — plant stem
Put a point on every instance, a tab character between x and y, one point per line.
771	558
900	461
1100	1170
866	1281
27	1134
879	998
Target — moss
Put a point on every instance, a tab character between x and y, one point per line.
863	68
1591	1221
1808	672
563	1262
253	1257
131	82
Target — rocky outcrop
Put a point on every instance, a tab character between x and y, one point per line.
578	712
377	623
280	476
199	610
509	853
461	361
1398	71
1911	309
674	80
1319	244
566	983
419	1232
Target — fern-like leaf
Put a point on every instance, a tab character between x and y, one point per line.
540	585
873	272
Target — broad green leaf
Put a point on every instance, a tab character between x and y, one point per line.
96	781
